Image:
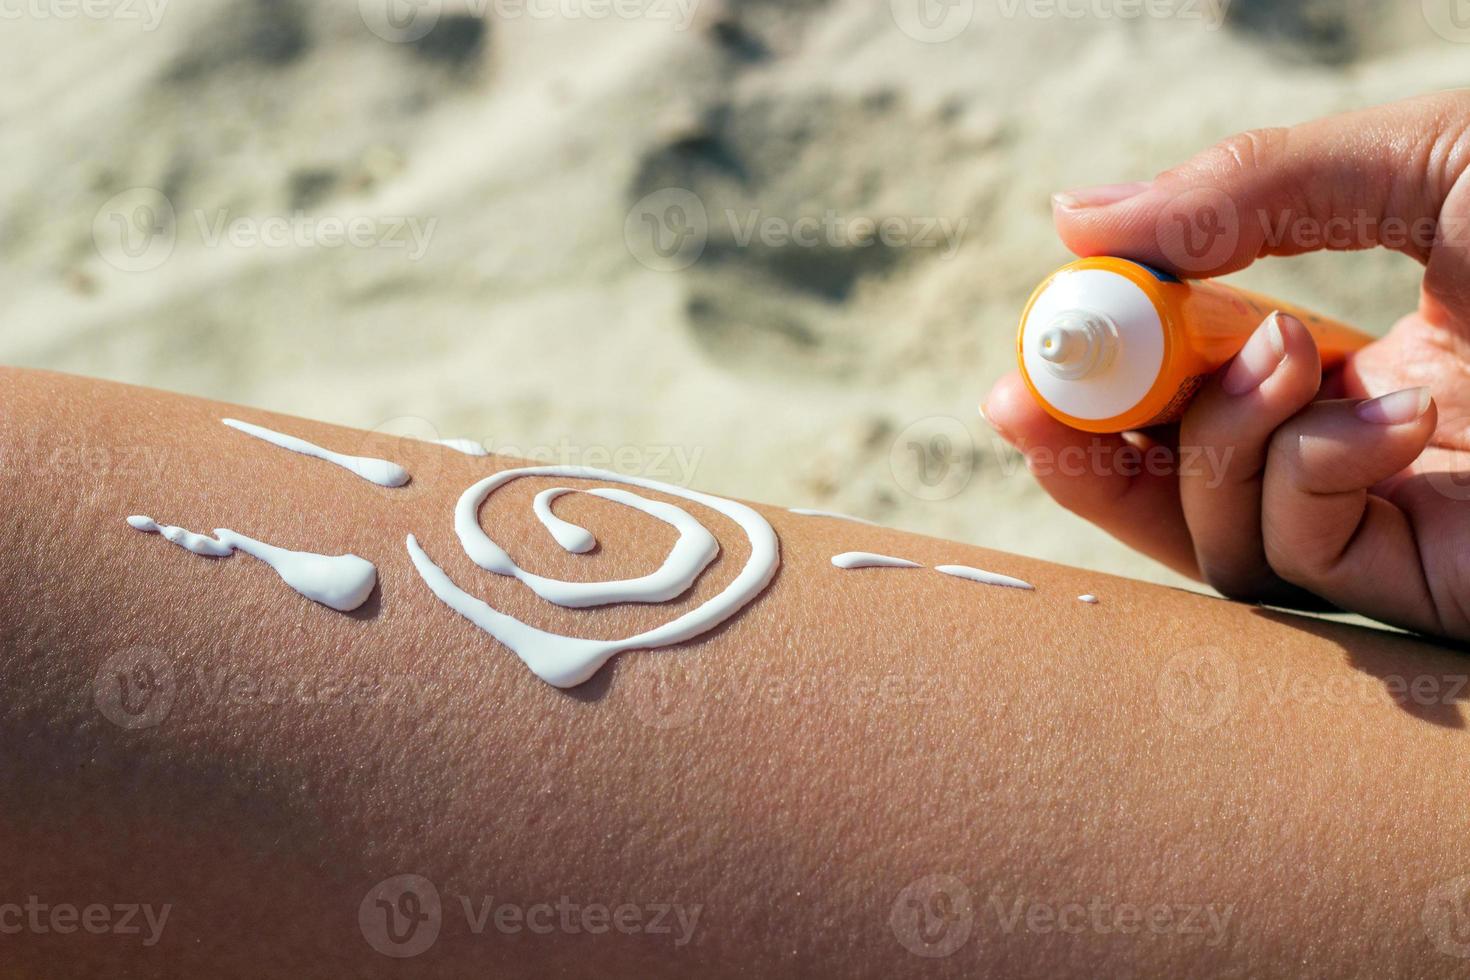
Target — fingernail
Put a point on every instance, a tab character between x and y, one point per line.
1396	407
992	422
1100	196
1257	360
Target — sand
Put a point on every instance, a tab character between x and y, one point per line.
504	286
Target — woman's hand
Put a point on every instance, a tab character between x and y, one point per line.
1353	488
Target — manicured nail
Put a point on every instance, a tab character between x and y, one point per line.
992	422
1100	196
1257	360
1396	407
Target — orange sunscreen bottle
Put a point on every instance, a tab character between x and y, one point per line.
1108	345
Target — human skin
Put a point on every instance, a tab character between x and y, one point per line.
1349	488
1160	784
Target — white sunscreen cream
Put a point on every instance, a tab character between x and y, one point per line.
342	582
866	559
808	512
982	576
379	471
691	554
566	661
467	446
1090	599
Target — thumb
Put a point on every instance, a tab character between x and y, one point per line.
1383	177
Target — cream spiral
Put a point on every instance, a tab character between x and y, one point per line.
566	661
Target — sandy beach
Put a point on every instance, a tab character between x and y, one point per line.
775	251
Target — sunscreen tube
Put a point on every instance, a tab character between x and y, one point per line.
1109	345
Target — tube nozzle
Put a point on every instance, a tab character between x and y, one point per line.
1077	343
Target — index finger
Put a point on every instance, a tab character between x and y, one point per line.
1382	177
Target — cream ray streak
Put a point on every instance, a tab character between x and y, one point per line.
467	446
342	582
566	661
982	576
808	512
379	471
866	559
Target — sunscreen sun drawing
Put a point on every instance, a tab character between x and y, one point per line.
566	661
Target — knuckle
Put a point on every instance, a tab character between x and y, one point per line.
1284	453
1244	152
1447	108
1253	148
1292	560
1218	451
1426	144
1445	152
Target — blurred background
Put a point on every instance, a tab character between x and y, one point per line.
774	249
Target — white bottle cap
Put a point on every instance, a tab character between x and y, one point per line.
1092	344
